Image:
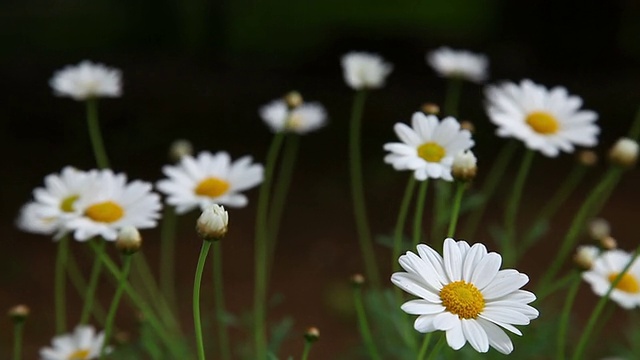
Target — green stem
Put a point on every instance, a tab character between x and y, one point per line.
634	131
454	90
18	331
167	256
557	285
424	346
441	199
363	323
565	315
93	281
436	349
111	315
95	135
460	187
357	190
586	334
73	270
402	217
417	215
511	214
307	349
262	250
495	174
60	285
218	290
196	298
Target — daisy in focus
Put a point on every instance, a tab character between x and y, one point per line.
300	119
87	80
364	70
209	179
462	64
606	268
466	295
428	147
82	344
548	121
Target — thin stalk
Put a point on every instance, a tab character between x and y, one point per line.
565	315
307	349
167	256
363	323
143	270
80	285
441	198
93	282
111	315
95	135
436	348
357	190
218	290
452	98
60	285
424	346
18	334
402	217
495	174
511	214
196	298
557	285
417	215
460	187
262	250
586	334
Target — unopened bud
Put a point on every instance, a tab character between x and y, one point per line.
212	224
608	243
19	313
312	334
430	109
624	153
122	337
179	149
293	99
585	256
357	280
129	240
587	158
599	228
464	166
468	125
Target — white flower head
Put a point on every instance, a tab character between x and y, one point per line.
213	223
624	152
461	64
606	268
129	240
585	256
82	344
466	295
364	70
465	166
113	204
302	119
428	147
209	179
548	121
87	80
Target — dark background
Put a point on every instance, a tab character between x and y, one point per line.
200	70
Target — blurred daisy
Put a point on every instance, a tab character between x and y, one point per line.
82	344
209	179
302	119
364	70
461	64
466	295
87	80
56	203
606	268
428	147
549	121
112	204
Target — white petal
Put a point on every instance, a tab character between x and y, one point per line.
475	335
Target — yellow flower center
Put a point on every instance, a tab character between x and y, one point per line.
431	152
462	299
628	283
67	203
106	212
81	354
212	187
542	122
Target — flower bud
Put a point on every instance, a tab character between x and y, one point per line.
608	243
357	280
312	334
213	223
430	109
293	99
179	149
587	158
19	313
467	125
585	256
599	228
464	166
129	240
624	153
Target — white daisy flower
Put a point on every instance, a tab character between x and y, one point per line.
56	203
549	121
428	147
364	70
585	256
302	119
82	344
605	269
87	80
466	295
112	204
462	64
209	179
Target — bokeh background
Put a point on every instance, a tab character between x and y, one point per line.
199	70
